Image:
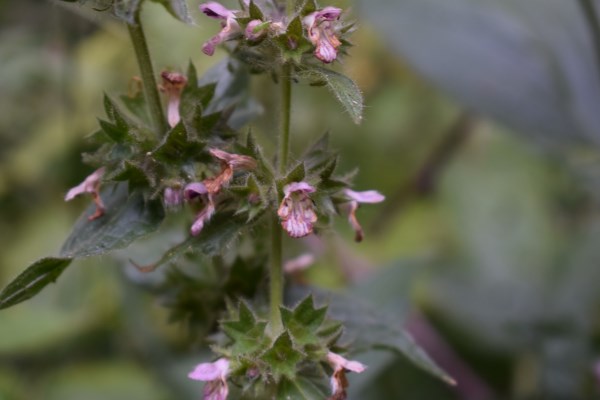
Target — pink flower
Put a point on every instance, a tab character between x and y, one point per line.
356	198
322	34
197	190
338	380
173	84
229	25
297	211
215	376
90	185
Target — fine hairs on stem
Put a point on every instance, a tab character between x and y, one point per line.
138	39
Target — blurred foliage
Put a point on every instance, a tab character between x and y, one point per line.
492	265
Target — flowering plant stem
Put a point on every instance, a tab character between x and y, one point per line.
138	39
276	261
286	99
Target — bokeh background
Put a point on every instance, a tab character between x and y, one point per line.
482	127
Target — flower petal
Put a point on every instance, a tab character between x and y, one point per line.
337	362
194	190
90	184
368	196
298	187
328	14
210	371
216	10
236	161
203	217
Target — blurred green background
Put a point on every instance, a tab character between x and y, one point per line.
480	128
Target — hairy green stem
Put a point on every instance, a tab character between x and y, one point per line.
276	262
591	15
276	277
286	99
138	39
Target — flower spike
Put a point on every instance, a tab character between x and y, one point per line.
297	210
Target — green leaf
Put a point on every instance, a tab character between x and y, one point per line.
308	7
255	11
114	114
247	332
368	328
111	130
531	65
177	147
342	87
127	218
232	80
304	321
31	281
283	357
177	8
134	173
214	238
297	174
136	105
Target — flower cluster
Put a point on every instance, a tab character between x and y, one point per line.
321	28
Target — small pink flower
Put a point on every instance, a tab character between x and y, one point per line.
229	25
297	210
356	198
90	185
173	84
322	34
215	376
338	380
197	190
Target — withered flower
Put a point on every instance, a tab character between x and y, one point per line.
229	163
338	380
173	84
297	210
356	198
90	185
